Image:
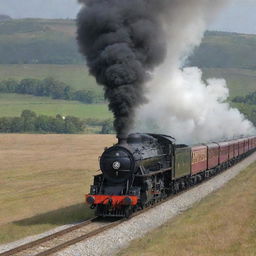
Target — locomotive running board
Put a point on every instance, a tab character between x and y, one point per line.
155	173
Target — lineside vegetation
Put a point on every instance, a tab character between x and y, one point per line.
43	180
50	87
221	224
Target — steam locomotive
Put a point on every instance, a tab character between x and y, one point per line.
143	169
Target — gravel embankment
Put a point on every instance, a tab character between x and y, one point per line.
111	241
9	246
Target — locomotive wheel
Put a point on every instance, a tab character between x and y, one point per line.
127	212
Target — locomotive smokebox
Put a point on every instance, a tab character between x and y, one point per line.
122	139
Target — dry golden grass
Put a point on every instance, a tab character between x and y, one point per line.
223	224
43	179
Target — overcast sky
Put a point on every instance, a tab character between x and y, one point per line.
239	16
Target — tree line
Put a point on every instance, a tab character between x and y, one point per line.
49	87
30	122
248	99
247	105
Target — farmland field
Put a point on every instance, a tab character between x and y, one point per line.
76	76
13	104
43	180
239	81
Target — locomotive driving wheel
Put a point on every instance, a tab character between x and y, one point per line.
127	212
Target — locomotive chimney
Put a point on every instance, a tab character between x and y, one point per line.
122	138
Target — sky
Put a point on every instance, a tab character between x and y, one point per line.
239	16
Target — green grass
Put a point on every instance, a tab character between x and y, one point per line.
249	110
76	76
54	41
43	222
43	180
13	104
39	41
239	81
221	224
226	50
37	26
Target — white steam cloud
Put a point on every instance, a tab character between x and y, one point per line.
180	102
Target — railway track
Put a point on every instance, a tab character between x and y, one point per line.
80	232
77	233
70	236
62	239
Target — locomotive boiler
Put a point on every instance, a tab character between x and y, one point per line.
133	174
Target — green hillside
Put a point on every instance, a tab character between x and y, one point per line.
38	48
226	50
32	41
239	81
39	41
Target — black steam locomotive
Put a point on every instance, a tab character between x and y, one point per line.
145	168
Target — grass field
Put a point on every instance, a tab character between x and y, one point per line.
224	223
249	110
76	76
13	104
239	81
43	180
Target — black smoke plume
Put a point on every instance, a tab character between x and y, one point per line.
122	41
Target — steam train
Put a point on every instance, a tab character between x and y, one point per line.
143	169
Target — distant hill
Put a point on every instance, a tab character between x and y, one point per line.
32	41
42	48
4	17
39	41
225	50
